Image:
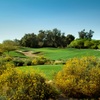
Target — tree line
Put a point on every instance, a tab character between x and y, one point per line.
85	41
52	38
55	38
49	38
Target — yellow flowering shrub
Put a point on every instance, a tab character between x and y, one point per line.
39	60
4	66
8	58
18	85
80	78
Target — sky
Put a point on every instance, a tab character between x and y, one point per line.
19	17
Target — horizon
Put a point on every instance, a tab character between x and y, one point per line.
19	17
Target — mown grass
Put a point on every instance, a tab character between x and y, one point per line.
17	54
64	53
48	71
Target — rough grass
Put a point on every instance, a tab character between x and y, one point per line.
49	71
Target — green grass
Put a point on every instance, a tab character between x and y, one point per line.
64	53
16	54
24	49
48	70
70	53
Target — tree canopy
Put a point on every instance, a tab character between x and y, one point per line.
48	38
85	35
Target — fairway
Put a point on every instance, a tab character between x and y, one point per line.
63	53
48	70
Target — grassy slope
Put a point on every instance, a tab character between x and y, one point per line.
48	70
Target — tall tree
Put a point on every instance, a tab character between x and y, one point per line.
90	34
85	35
82	34
69	38
29	40
41	38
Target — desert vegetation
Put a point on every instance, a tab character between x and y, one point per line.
40	67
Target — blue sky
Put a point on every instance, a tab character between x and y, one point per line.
18	17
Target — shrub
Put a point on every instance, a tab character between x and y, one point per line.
98	46
4	66
28	62
18	85
57	62
80	78
79	43
7	58
18	62
39	60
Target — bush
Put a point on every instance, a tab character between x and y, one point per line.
18	62
28	62
79	43
39	60
7	58
98	46
57	62
4	66
18	85
80	78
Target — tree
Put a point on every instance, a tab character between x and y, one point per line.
29	40
85	35
9	45
48	38
90	34
41	38
82	34
17	42
56	37
69	38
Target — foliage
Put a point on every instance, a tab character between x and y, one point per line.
41	38
49	38
4	66
86	35
1	49
39	60
88	44
78	43
27	62
7	58
80	78
18	85
69	38
84	43
18	62
29	40
99	46
9	45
